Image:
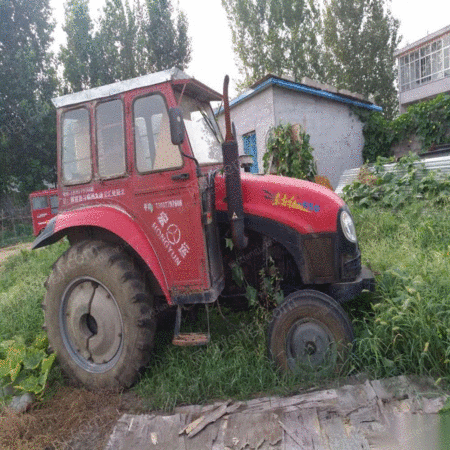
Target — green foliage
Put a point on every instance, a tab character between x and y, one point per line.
167	40
22	290
269	294
406	328
77	57
25	368
27	83
429	121
290	153
128	42
378	139
411	182
360	37
278	37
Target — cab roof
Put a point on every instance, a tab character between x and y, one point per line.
120	87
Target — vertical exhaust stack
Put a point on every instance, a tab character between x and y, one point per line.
233	177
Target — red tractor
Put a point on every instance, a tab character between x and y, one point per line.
44	206
148	194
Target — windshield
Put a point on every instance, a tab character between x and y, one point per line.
204	134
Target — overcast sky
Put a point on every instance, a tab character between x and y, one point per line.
213	58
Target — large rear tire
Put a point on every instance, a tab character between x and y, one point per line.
98	316
310	333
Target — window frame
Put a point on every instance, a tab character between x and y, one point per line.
125	172
61	140
433	55
133	118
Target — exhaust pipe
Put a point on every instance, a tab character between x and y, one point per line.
233	177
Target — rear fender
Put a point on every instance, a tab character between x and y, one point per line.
113	220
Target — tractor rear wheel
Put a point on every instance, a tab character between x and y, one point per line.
310	333
98	316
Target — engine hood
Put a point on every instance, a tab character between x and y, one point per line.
304	206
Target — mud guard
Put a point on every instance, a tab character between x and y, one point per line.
115	221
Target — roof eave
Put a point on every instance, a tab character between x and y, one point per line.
271	80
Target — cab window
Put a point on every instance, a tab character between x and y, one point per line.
154	148
54	203
110	139
39	203
76	146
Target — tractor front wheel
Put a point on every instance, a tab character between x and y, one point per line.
98	316
310	333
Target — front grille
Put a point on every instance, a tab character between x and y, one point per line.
351	266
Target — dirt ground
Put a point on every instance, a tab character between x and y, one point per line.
70	419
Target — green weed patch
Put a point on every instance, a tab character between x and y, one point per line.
406	328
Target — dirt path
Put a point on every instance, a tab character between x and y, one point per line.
13	250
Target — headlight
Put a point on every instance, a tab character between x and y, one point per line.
348	227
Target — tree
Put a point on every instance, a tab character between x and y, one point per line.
27	83
167	42
276	36
127	42
360	37
120	43
78	55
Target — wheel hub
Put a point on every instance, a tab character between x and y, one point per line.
91	325
308	343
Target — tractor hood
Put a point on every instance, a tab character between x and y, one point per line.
304	206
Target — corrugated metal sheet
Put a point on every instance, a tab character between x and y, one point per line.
440	164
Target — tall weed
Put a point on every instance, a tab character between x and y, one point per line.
407	327
22	290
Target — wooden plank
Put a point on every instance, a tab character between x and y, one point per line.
304	425
204	440
209	418
147	433
390	388
322	399
252	430
341	436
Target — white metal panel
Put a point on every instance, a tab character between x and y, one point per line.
440	165
120	87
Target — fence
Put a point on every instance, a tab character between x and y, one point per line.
15	225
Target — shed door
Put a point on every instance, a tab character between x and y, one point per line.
251	149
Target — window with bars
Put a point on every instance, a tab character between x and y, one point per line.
251	149
429	63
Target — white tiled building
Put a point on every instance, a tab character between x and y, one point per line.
424	68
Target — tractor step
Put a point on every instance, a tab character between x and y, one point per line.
190	339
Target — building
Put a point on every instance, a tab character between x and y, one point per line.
424	68
325	113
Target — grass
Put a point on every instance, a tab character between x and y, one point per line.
233	365
403	328
22	290
407	327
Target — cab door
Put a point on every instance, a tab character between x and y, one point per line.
167	200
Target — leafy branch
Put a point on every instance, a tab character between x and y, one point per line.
290	153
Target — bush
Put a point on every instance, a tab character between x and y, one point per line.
410	183
430	121
289	152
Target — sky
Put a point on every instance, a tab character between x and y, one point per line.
212	53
